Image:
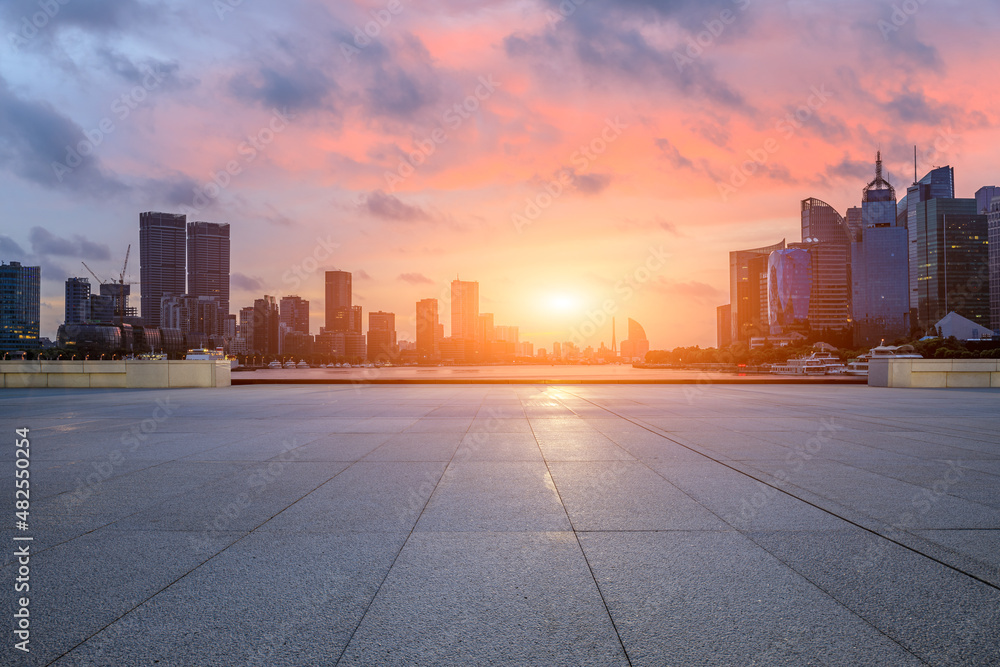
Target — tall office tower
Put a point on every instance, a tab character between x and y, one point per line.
428	345
338	301
355	320
880	294
464	310
993	222
724	326
826	235
264	338
381	336
485	330
952	251
192	314
294	313
636	346
507	334
938	183
162	254
789	289
20	306
208	262
747	270
77	300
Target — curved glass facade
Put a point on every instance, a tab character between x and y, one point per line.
789	286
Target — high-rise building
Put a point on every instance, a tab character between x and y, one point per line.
724	326
339	311
879	267
789	289
192	314
636	345
952	252
748	299
428	343
20	306
381	336
162	255
77	300
938	183
264	333
993	222
119	295
827	236
294	313
485	331
985	197
464	309
208	262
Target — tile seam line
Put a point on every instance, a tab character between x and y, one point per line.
395	558
746	536
184	575
822	509
579	545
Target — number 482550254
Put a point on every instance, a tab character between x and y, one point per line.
22	461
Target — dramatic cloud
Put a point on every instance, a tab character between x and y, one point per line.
44	242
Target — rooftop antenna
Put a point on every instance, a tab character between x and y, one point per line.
914	163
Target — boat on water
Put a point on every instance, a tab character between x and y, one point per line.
817	363
859	366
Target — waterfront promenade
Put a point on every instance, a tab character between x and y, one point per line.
507	524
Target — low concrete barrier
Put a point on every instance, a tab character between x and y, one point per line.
115	374
913	373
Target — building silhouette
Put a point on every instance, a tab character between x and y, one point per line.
162	260
208	262
993	223
381	336
20	306
465	315
340	314
428	324
636	345
294	313
939	183
264	332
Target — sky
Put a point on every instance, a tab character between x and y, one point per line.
580	159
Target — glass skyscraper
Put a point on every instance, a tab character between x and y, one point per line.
936	184
789	288
827	236
952	253
20	306
880	296
748	291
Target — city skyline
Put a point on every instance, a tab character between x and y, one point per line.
537	149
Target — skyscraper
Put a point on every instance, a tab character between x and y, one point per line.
339	312
77	300
636	346
879	266
993	222
162	253
748	291
381	336
20	306
264	333
938	183
465	311
427	330
208	262
952	252
827	236
789	289
294	313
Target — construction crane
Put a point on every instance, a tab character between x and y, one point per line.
120	299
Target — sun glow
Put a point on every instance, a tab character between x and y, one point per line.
563	303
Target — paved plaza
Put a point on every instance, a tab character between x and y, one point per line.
508	525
